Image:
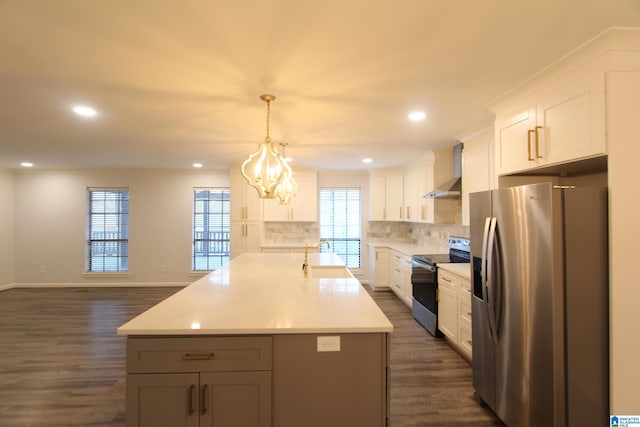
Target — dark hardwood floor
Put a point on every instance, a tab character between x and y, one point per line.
62	364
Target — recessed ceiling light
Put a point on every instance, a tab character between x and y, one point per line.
26	164
288	159
84	111
197	165
367	160
417	116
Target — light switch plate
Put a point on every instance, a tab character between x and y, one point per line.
329	343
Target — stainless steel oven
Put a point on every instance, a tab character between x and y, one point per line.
424	282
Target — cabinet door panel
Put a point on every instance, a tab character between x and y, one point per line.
240	399
447	310
572	122
514	147
159	400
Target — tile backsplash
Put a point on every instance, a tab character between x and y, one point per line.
377	231
415	233
290	232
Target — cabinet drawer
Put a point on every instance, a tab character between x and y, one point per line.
464	308
465	340
198	354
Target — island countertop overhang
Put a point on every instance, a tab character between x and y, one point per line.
264	293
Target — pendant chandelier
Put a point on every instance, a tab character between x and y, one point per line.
288	187
266	169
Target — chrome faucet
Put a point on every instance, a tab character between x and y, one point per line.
305	264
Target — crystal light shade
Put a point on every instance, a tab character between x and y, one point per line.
266	169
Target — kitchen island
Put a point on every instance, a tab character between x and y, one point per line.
256	343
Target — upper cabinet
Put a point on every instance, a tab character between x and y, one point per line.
397	195
386	196
303	207
555	125
476	167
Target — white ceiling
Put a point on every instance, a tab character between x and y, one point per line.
178	81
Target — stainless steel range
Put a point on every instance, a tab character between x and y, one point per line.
424	281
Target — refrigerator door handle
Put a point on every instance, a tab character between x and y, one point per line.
483	255
491	287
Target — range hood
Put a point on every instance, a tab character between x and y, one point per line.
451	189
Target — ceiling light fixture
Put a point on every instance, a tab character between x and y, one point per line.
288	187
197	165
417	116
26	164
367	160
265	169
84	111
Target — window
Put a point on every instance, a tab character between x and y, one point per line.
211	228
340	223
108	230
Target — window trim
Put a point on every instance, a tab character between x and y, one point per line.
193	219
88	229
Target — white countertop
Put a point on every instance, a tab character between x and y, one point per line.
264	293
460	268
411	249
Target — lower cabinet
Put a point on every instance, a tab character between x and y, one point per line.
206	382
378	267
400	276
206	399
454	310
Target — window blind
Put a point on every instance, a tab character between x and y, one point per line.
340	223
108	230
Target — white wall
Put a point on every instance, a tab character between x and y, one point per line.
6	227
624	229
50	220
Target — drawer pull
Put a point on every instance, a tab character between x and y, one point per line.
190	356
469	314
203	400
445	279
192	399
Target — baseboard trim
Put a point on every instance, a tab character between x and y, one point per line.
93	285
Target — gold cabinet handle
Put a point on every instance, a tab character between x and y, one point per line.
529	133
445	279
537	133
203	400
384	213
192	389
401	212
201	356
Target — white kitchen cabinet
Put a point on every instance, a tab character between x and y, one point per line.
448	306
378	267
394	197
386	195
464	317
303	207
551	126
410	197
246	236
476	167
400	276
245	203
454	310
246	216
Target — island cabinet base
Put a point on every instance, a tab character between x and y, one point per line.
199	382
337	380
258	381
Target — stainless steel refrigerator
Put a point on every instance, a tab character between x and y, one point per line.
540	304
